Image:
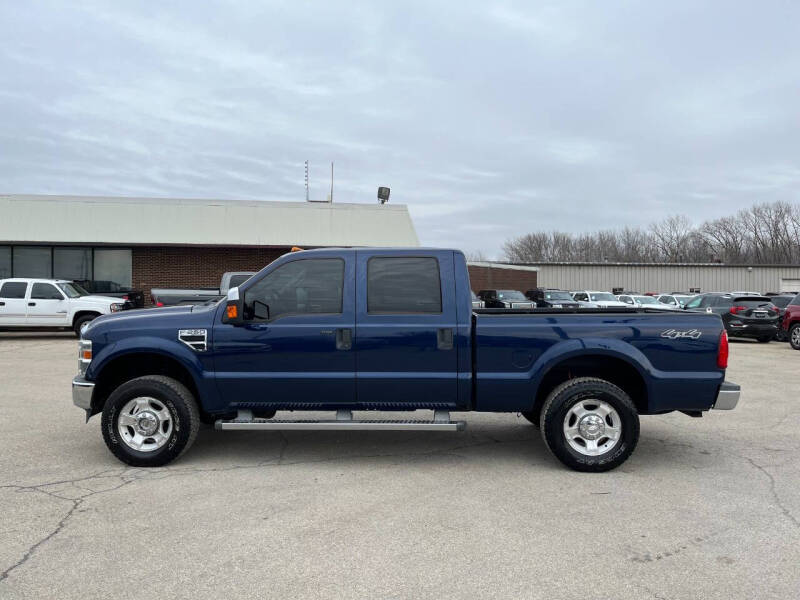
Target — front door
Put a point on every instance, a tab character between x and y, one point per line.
13	304
405	330
296	348
47	306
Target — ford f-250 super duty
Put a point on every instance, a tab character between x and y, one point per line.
392	330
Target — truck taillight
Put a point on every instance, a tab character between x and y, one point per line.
722	352
737	309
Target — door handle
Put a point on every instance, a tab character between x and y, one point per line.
31	303
344	339
444	339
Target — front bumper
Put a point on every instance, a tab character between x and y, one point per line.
82	392
728	396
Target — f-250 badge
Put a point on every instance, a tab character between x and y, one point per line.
674	334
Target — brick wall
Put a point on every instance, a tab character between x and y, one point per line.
492	278
194	267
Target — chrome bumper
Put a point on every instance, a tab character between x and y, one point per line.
728	396
82	391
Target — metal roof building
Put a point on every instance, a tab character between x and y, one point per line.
666	277
111	243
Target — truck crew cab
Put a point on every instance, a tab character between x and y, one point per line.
392	330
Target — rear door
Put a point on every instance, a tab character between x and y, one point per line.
405	329
47	306
13	305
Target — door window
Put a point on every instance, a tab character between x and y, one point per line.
45	291
403	285
582	297
13	290
306	286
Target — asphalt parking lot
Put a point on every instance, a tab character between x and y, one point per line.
705	508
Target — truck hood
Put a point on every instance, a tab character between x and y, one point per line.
99	300
150	321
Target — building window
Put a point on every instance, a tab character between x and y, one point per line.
72	263
5	262
33	261
113	269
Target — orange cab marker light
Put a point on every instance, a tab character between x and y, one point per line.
87	355
233	312
296	249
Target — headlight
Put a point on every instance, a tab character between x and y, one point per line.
84	355
117	306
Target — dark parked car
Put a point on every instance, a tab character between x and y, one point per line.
505	299
781	301
743	316
550	298
133	298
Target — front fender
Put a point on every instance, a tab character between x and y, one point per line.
188	358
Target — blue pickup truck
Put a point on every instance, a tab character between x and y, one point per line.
382	329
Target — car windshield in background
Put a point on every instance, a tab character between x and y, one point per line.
73	290
510	295
602	297
558	296
645	300
683	299
237	280
781	301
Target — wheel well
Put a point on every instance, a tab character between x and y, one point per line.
615	370
82	313
130	366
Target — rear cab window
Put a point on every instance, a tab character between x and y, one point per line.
403	285
13	290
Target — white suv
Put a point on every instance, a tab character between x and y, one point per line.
601	299
51	303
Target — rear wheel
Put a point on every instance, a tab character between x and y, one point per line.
150	421
590	424
794	336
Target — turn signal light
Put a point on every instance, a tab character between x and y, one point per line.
232	311
722	353
86	354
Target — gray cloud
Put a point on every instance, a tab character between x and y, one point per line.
488	119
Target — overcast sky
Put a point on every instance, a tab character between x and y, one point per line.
487	119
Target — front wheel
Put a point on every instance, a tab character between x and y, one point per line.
150	421
590	424
81	321
794	336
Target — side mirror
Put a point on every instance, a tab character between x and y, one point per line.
234	308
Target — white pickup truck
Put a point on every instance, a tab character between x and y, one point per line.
33	303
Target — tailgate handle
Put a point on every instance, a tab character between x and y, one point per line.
31	303
444	339
344	339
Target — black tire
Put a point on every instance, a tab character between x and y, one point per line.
76	327
794	336
557	407
175	398
764	339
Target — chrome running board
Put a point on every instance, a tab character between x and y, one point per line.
344	421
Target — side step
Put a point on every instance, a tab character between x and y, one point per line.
344	421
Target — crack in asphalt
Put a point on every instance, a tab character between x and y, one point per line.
128	475
776	498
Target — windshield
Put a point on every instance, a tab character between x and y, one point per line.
73	290
602	297
510	295
645	300
682	300
558	296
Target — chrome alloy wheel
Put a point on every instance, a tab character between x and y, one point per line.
592	427
144	424
796	337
